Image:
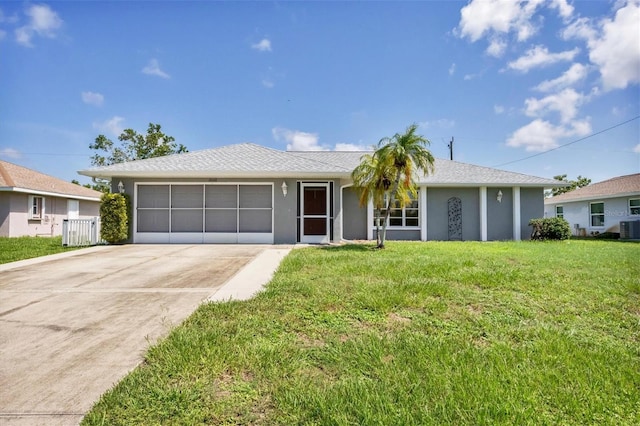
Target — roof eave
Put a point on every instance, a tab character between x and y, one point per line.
47	193
213	174
554	200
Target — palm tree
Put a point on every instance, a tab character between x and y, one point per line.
405	153
372	179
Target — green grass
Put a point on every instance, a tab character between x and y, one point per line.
13	249
416	334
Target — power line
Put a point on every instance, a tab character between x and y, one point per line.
570	143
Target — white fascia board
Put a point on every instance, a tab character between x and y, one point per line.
479	184
214	174
551	201
47	193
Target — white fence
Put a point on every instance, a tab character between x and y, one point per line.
81	232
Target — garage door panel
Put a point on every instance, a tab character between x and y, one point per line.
153	220
186	220
221	221
255	221
255	196
153	196
187	196
221	196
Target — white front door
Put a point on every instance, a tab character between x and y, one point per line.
315	213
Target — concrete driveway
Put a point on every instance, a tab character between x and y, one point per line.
70	328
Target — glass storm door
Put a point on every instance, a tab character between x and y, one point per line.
315	213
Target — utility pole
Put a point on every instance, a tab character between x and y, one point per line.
450	146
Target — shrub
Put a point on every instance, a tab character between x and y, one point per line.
550	228
113	216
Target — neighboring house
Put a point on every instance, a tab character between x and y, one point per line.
32	203
247	193
599	207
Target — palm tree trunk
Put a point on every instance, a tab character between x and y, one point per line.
387	213
377	213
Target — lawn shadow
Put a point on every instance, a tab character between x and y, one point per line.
350	247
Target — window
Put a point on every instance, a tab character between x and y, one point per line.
597	214
634	206
401	217
36	207
559	212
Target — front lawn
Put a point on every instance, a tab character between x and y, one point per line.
13	249
416	334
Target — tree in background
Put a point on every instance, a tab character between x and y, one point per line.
391	168
134	146
95	187
573	184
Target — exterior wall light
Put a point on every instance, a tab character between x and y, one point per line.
285	188
121	187
499	196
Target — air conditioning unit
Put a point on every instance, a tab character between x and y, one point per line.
630	230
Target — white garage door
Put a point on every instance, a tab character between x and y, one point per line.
204	213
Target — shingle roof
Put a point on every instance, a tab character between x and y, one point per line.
251	160
615	187
14	177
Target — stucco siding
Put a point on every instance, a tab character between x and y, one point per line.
578	213
89	209
5	214
354	216
499	214
531	207
438	215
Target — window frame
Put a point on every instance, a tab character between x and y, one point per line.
592	215
561	213
403	216
36	211
636	207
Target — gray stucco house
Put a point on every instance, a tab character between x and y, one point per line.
599	207
35	204
247	193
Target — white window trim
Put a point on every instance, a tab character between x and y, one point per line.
404	217
561	214
41	214
591	215
634	207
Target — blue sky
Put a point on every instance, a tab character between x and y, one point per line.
506	79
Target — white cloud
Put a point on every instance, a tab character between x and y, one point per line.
565	103
297	140
581	28
351	147
3	34
268	83
442	123
636	149
576	73
263	45
539	56
10	153
498	109
617	51
92	98
496	48
480	17
42	21
452	69
153	68
468	77
541	135
564	9
112	125
613	44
